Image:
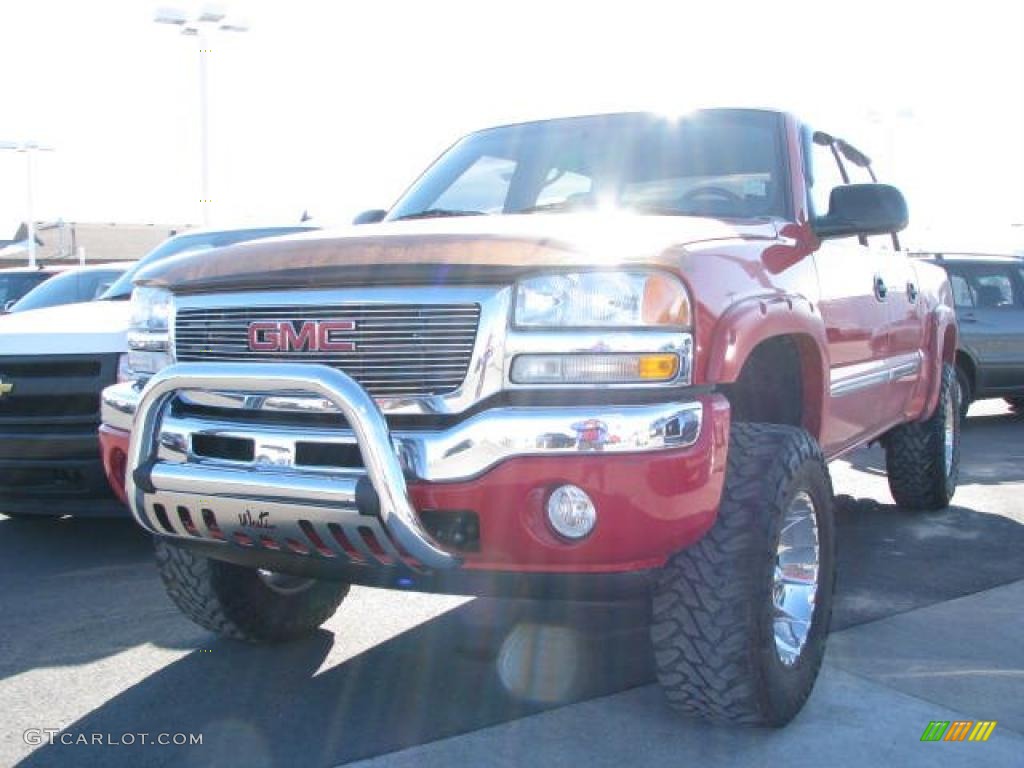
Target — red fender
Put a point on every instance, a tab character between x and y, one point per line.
746	324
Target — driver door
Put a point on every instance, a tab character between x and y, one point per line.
854	306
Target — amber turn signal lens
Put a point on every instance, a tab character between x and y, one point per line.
658	367
665	301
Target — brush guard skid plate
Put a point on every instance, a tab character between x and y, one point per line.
364	516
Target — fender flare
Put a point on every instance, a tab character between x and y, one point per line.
752	321
941	350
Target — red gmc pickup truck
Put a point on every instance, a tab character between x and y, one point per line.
579	358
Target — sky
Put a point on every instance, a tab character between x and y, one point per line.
335	107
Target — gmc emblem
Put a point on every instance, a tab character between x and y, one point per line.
310	336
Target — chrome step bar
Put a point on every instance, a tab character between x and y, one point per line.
288	497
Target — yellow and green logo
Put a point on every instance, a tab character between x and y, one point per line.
958	730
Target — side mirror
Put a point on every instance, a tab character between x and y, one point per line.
863	209
8	306
370	217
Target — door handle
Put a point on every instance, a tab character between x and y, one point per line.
968	317
881	290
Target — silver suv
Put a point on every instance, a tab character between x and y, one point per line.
989	295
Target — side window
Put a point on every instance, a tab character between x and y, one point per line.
825	176
993	288
963	297
481	187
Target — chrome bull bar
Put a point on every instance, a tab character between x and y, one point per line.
328	509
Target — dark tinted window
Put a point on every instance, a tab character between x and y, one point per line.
723	163
992	286
995	290
963	296
14	286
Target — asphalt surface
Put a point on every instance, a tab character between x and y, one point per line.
89	644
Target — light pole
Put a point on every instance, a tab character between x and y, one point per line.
208	20
29	148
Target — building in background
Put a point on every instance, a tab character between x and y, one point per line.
101	241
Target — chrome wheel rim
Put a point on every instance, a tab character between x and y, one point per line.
284	583
949	433
795	581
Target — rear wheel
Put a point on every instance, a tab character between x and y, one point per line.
245	603
922	458
740	619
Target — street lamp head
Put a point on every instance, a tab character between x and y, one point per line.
236	25
170	16
211	13
25	146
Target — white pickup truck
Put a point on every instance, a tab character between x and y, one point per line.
54	362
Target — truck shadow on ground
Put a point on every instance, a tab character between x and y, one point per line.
991	452
485	662
75	590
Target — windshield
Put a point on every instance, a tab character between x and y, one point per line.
68	288
721	163
199	241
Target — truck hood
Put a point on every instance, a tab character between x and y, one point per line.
93	327
470	249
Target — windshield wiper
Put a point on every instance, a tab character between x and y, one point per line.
559	205
437	213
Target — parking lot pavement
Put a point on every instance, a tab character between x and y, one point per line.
925	628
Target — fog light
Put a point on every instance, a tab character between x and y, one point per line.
571	512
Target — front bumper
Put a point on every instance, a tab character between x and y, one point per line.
654	472
54	472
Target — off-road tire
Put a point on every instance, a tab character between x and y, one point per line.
915	454
235	602
966	391
712	607
1016	404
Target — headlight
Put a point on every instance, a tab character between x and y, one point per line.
602	300
148	339
151	308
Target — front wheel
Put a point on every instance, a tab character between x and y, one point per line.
245	603
923	458
740	619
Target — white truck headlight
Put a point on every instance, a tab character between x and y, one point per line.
620	299
149	336
151	309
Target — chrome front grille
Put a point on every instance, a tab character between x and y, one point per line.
399	350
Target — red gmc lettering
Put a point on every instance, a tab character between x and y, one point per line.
303	341
263	337
324	336
312	336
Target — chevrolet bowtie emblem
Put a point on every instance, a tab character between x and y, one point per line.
5	387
